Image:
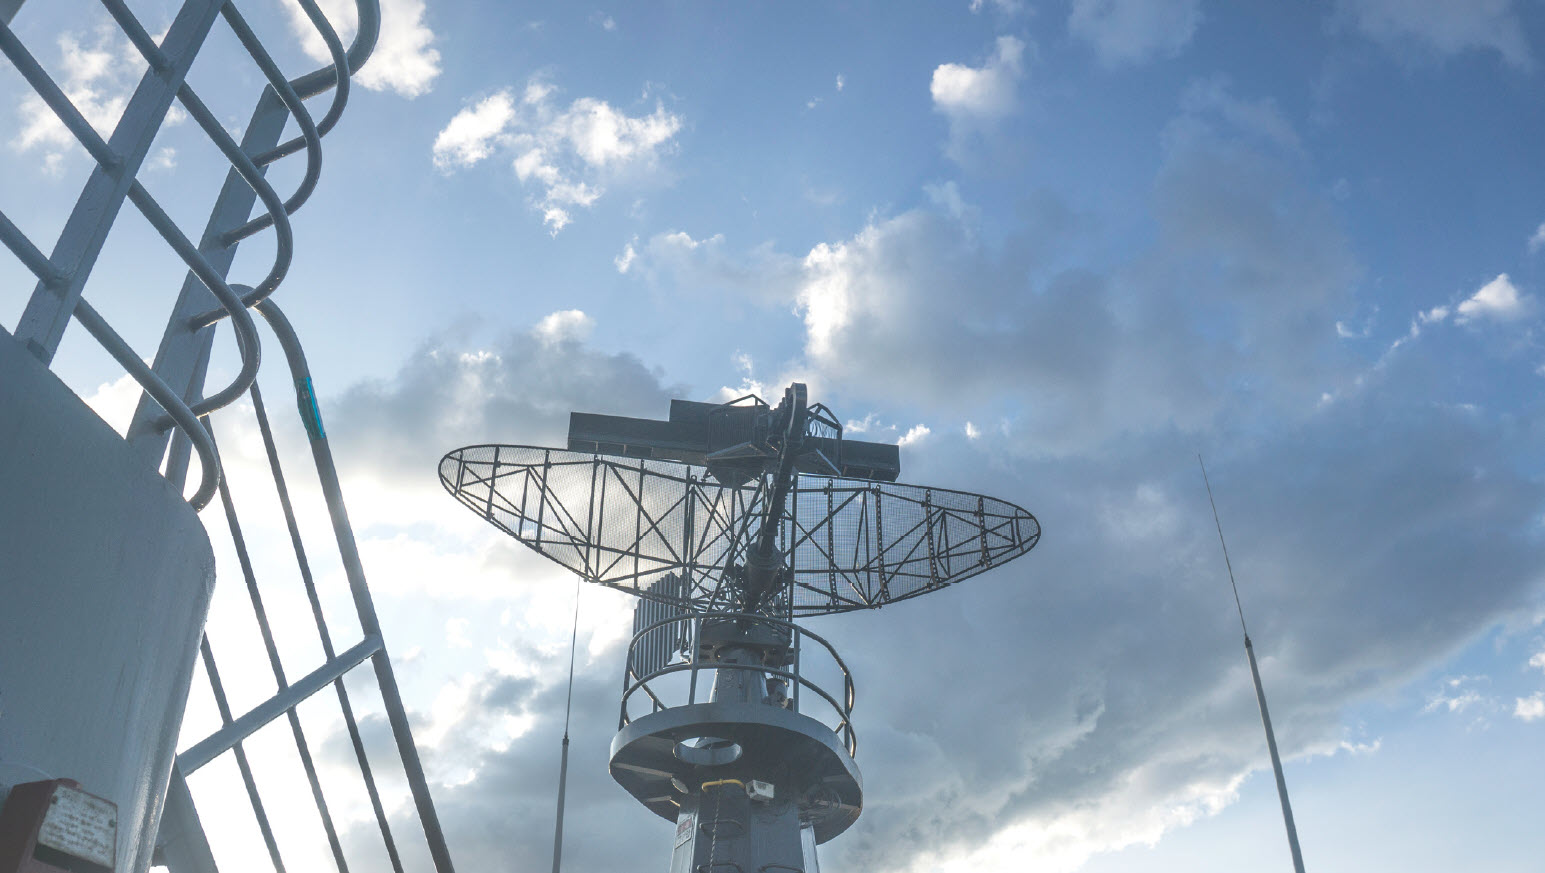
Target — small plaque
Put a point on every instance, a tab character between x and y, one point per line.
81	825
683	831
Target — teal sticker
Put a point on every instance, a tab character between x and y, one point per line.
306	398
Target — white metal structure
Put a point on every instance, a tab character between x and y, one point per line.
105	570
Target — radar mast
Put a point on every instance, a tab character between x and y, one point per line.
729	522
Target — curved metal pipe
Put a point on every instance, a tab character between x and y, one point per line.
369	14
354	571
241	319
284	235
297	108
138	35
246	344
340	87
209	461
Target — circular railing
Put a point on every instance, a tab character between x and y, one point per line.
664	695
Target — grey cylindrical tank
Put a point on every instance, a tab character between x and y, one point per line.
105	578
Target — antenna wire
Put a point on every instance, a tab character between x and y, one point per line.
568	706
1260	690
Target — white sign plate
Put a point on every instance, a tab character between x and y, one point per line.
80	825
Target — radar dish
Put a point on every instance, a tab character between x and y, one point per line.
623	522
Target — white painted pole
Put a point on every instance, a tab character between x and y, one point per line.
1276	761
563	781
563	767
1260	691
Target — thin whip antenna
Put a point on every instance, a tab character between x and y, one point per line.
568	706
1226	562
1260	692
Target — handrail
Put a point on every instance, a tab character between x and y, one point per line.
354	572
844	709
233	303
174	387
241	319
209	462
368	13
298	111
845	728
340	86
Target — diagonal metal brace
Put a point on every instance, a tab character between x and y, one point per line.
221	741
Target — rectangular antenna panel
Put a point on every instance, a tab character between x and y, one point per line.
656	648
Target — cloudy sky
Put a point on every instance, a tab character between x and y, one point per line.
1055	248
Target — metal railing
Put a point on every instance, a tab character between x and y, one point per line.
694	665
171	423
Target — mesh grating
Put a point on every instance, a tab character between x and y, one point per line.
853	544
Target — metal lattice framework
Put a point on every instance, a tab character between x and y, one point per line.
170	426
853	544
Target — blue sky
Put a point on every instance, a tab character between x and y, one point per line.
1056	249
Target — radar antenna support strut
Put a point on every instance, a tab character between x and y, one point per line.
764	563
1260	691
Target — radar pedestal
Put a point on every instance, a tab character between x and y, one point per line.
752	783
728	521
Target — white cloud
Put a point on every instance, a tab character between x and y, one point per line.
1457	702
1497	300
972	431
405	60
1260	119
629	254
705	268
1076	356
749	383
456	633
568	325
1434	315
164	159
98	76
841	82
915	434
472	133
984	92
569	153
1530	708
1538	240
1345	332
860	425
1446	27
1006	7
977	99
1537	660
1134	31
947	198
116	401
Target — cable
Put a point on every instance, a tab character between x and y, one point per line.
568	706
1226	562
573	642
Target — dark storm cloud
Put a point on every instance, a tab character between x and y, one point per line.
1104	671
1101	678
1106	668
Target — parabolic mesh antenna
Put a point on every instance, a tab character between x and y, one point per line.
729	521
